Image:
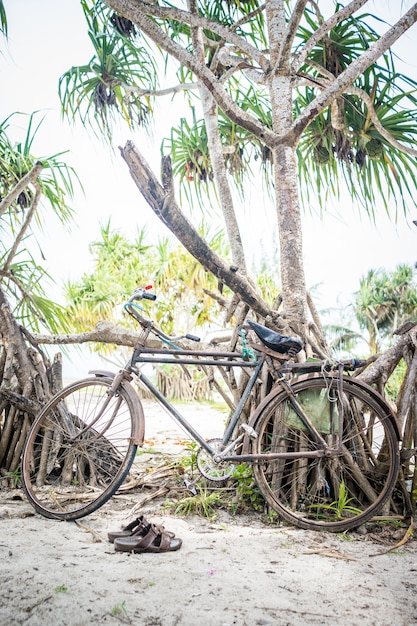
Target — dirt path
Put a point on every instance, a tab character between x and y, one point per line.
233	571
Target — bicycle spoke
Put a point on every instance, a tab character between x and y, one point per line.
333	492
79	450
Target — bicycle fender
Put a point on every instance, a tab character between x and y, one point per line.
138	433
138	428
102	373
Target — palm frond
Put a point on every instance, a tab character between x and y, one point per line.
116	83
3	19
57	179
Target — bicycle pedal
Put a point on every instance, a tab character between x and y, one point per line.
190	486
249	431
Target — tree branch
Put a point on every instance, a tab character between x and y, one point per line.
320	69
211	117
330	23
322	84
286	45
385	363
349	75
28	178
24	292
246	18
22	402
24	228
203	73
140	8
165	207
407	392
104	332
377	123
156	92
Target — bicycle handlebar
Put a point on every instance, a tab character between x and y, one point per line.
353	364
142	293
192	337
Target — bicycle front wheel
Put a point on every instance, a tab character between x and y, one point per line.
80	449
337	492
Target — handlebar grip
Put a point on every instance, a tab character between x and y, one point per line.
192	337
142	293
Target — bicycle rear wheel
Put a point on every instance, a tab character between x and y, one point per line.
337	492
80	449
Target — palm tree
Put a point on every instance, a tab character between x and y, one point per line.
120	265
29	187
51	183
116	81
313	98
117	271
384	301
323	108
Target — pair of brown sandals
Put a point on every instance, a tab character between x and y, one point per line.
143	536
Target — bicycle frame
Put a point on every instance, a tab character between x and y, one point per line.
176	355
227	359
144	354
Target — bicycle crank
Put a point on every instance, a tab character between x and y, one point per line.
212	468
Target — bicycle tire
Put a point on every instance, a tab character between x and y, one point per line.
73	462
335	493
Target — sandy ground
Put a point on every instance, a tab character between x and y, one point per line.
231	571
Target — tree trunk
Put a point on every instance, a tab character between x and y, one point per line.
211	117
210	111
294	294
27	380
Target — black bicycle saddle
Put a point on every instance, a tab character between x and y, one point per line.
279	343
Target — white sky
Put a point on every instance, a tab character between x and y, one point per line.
46	37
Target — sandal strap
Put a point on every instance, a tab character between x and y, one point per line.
158	528
165	542
147	539
138	522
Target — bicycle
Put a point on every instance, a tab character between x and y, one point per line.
323	445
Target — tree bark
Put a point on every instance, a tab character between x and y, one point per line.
25	385
164	206
294	293
210	111
211	117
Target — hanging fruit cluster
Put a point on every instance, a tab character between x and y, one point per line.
343	150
